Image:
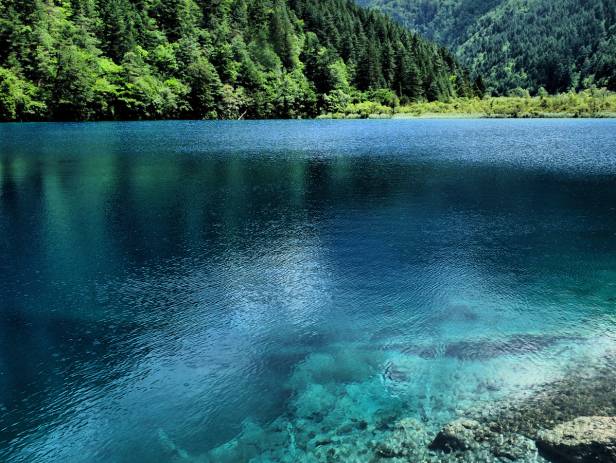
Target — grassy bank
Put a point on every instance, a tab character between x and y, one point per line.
589	103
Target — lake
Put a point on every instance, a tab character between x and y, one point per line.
286	290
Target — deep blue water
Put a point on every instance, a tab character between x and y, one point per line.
177	291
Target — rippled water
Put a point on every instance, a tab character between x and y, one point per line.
188	291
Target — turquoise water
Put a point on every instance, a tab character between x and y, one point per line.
216	291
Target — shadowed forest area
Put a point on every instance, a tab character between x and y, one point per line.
555	45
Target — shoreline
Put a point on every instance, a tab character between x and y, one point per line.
372	117
588	104
408	116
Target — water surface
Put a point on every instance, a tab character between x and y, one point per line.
215	291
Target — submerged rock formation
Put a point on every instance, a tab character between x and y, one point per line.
465	435
582	440
461	434
571	420
486	349
404	441
582	392
337	413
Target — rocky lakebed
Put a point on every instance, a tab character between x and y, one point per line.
571	420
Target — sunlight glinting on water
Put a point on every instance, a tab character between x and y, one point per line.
173	294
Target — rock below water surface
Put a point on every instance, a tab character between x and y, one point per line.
584	439
487	349
461	434
465	435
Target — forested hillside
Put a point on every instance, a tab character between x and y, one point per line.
139	59
556	44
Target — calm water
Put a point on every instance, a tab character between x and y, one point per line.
169	291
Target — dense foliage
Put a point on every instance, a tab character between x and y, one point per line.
559	45
588	103
138	59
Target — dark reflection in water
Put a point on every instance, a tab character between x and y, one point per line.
174	275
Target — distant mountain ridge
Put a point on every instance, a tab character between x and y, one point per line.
555	44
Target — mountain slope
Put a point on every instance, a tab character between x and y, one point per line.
555	44
105	59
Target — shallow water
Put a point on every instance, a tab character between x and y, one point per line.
214	291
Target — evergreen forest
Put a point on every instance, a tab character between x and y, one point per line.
534	45
212	59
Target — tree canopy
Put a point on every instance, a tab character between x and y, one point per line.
557	45
148	59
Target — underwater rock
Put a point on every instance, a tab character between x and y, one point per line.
586	390
514	447
339	367
460	434
489	349
584	439
171	447
466	437
407	438
314	402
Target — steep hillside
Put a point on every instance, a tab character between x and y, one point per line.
105	59
555	44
